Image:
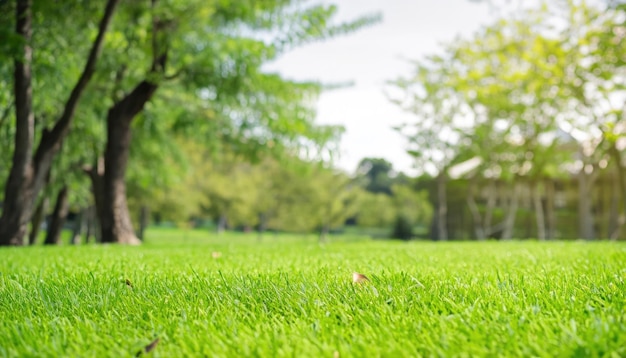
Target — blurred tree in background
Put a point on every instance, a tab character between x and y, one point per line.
519	113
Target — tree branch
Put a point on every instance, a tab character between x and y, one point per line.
133	103
62	125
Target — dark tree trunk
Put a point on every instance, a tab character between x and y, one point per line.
79	226
92	229
115	220
57	220
115	217
35	223
144	216
28	172
19	196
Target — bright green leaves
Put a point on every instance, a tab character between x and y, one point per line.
512	88
217	50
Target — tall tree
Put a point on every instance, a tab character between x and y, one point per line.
15	214
115	219
28	171
377	174
215	51
440	124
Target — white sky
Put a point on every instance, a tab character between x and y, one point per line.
409	29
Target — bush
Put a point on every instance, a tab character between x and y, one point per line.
402	228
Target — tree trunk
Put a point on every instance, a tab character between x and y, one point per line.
144	216
115	219
92	225
79	226
19	196
37	220
442	207
479	230
539	213
28	172
509	222
550	213
57	220
585	212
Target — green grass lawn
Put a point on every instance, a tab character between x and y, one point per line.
290	296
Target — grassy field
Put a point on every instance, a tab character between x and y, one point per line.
290	296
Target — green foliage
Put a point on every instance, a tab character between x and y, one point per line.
60	31
375	210
176	193
290	296
376	174
519	96
439	109
291	194
412	205
215	88
214	91
386	195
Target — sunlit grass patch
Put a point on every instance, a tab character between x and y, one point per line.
290	296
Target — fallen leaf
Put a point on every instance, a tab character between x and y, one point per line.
359	277
216	254
148	348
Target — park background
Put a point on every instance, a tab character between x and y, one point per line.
206	116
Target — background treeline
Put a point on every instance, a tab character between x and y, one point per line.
518	131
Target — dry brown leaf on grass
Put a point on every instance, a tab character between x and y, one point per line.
149	348
359	277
